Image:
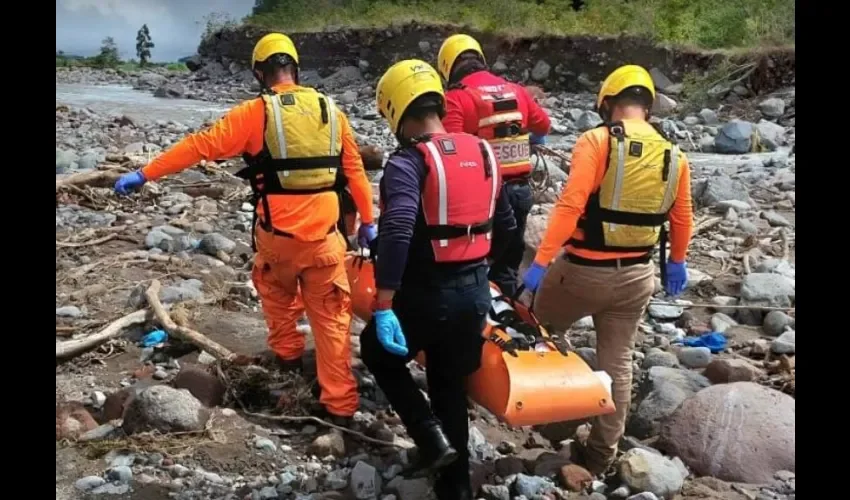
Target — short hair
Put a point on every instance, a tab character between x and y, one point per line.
424	106
632	96
467	63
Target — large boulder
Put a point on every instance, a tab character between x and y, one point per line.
661	391
740	432
712	191
164	409
736	137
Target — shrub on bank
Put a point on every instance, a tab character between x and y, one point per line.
98	62
707	24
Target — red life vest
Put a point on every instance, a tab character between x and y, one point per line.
501	123
459	196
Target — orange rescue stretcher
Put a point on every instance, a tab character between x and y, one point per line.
527	377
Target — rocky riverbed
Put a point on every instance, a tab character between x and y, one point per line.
161	422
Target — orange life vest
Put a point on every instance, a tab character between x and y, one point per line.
462	182
501	123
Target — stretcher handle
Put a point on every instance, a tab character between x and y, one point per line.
518	293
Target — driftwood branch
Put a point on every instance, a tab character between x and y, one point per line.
214	348
718	306
317	420
101	178
98	241
72	348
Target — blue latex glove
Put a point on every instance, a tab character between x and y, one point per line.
715	341
389	332
677	277
537	139
533	276
129	182
366	234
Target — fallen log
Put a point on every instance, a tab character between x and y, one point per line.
199	339
71	348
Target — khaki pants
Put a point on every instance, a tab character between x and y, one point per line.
616	299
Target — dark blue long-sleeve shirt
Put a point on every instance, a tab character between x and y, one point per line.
404	250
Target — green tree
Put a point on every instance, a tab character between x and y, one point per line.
143	45
108	56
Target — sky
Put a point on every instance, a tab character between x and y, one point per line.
175	25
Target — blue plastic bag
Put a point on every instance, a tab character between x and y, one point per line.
153	338
715	341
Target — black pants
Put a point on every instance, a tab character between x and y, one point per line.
445	321
504	270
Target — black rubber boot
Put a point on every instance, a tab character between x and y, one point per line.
434	451
272	361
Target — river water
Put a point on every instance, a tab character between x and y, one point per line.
140	106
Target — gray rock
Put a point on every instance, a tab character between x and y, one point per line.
695	357
268	493
89	483
721	322
111	489
365	481
90	159
478	446
646	495
740	206
661	391
185	290
647	472
706	144
264	444
776	322
495	492
65	160
121	474
541	71
170	91
773	107
739	432
734	138
657	357
665	312
164	409
424	46
771	134
774	219
660	79
529	486
155	238
69	312
785	343
663	105
414	489
719	188
213	243
588	354
337	479
777	266
588	120
709	116
768	287
499	67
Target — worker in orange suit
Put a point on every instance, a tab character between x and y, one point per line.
626	181
294	141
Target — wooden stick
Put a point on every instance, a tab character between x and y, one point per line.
718	306
707	224
97	241
76	347
214	348
317	420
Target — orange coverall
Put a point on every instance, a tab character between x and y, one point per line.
313	259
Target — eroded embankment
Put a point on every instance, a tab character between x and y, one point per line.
553	62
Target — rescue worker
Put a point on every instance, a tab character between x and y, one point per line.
504	113
443	212
294	141
627	179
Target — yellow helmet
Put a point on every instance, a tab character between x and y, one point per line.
403	83
271	44
454	46
622	78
